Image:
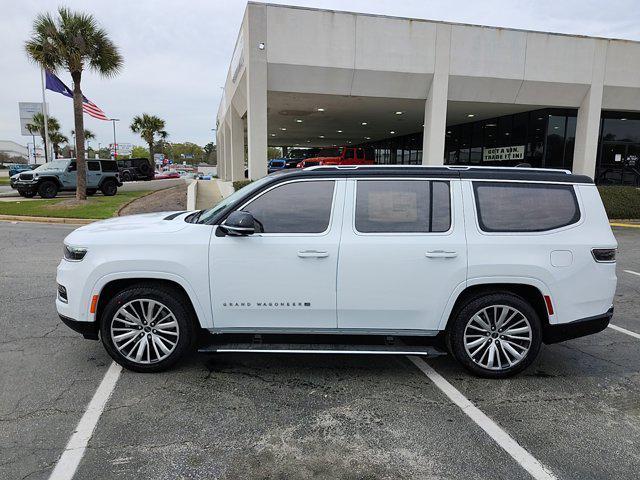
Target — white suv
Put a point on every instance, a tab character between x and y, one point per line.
487	263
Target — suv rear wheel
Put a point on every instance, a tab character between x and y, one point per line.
48	189
496	335
147	328
126	176
109	188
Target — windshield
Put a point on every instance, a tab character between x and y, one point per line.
212	212
55	165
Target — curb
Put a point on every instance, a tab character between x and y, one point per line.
151	192
73	221
624	225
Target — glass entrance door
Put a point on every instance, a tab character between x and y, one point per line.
619	164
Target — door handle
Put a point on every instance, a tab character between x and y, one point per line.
441	254
313	254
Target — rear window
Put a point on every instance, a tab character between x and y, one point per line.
402	206
93	166
525	207
109	166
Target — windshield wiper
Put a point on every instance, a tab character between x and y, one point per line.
194	218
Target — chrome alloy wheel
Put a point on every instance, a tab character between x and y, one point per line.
498	337
144	331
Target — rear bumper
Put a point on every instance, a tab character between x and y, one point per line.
89	330
577	328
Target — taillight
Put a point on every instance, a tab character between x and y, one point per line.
605	255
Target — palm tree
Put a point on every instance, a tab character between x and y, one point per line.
88	135
73	41
56	139
36	125
148	126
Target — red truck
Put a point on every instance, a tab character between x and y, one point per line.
341	156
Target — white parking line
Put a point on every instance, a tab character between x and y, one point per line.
624	330
632	272
74	451
502	438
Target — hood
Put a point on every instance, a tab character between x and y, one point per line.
150	223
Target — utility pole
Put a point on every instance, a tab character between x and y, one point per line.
115	144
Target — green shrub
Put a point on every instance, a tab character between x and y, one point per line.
621	202
237	185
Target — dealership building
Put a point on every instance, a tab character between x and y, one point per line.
427	92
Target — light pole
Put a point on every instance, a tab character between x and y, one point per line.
115	144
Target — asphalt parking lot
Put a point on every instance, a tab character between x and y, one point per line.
576	411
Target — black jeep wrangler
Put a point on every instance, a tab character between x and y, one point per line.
135	169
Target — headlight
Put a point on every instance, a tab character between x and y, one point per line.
74	254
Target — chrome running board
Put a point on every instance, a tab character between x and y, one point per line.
311	348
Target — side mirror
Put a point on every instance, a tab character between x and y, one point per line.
239	224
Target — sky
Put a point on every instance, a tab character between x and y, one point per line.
177	53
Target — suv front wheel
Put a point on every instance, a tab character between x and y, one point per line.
147	328
496	335
109	188
48	189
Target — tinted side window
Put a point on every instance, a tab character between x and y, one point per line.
93	166
109	166
525	207
348	153
402	206
299	207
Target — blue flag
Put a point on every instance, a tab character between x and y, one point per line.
55	84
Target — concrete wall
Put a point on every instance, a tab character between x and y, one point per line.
340	53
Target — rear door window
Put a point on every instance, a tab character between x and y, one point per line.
402	206
93	166
525	207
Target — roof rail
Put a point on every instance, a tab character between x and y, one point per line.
448	167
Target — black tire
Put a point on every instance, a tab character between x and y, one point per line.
144	168
456	334
126	177
109	188
28	194
91	191
48	189
172	300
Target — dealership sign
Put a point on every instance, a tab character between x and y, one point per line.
27	110
503	153
123	148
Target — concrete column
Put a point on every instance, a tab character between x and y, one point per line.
237	145
227	149
220	150
256	52
435	109
588	123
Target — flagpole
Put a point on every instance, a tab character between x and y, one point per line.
46	118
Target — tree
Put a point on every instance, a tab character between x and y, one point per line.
210	152
57	138
73	41
148	126
88	135
36	125
139	152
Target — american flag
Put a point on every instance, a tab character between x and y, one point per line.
56	85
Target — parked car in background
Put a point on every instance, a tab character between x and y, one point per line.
341	156
166	175
135	169
292	159
511	258
61	175
20	167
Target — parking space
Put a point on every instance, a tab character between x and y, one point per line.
576	410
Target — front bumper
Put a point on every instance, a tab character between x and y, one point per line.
89	330
578	328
